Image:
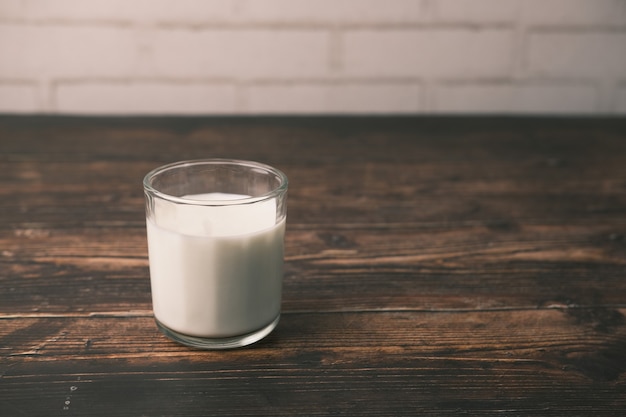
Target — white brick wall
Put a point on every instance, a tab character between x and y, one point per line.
429	53
323	56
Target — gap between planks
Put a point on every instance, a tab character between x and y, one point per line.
149	313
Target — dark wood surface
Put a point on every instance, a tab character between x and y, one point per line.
434	266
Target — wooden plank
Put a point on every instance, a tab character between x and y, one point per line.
409	267
515	362
550	333
541	173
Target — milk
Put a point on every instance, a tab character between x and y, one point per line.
215	271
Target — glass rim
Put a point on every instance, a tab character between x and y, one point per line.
148	178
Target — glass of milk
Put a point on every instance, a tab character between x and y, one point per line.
215	243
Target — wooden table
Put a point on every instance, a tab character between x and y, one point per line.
434	266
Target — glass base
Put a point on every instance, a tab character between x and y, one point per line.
218	343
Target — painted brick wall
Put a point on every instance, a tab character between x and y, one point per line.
322	56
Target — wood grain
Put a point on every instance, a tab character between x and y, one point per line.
434	266
372	363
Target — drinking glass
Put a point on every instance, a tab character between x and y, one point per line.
215	230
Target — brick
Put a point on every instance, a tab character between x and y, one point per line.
545	12
516	98
193	12
376	98
334	98
333	11
57	51
18	98
434	52
184	11
12	9
574	12
476	11
145	98
286	99
241	53
577	54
